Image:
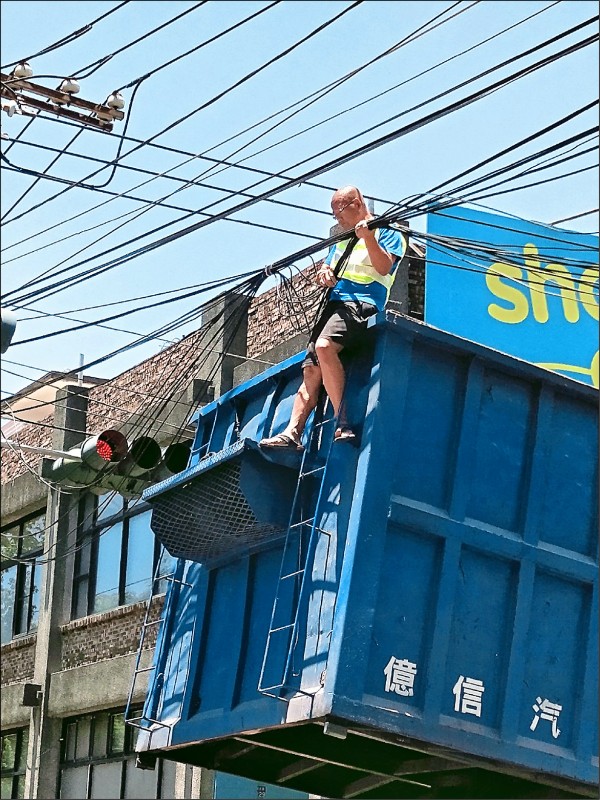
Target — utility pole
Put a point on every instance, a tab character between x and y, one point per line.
21	96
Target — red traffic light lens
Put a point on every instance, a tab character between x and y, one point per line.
104	450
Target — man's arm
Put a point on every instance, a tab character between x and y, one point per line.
380	259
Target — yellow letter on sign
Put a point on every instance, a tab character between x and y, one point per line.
520	306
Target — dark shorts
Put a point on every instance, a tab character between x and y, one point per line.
342	323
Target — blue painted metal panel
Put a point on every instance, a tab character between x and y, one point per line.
452	598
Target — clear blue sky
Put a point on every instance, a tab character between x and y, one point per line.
409	165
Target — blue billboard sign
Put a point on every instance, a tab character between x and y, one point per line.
526	289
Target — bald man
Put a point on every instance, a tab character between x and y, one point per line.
361	290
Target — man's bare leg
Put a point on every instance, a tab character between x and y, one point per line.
333	375
305	400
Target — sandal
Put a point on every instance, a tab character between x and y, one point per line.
281	441
344	434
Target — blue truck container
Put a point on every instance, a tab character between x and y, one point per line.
412	616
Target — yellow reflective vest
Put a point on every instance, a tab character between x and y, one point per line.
358	267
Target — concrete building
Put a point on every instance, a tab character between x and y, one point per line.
79	567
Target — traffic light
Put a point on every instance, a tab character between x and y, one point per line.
9	325
107	462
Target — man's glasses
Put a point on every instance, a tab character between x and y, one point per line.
338	211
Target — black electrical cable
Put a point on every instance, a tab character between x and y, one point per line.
195	292
37	403
40	175
204	105
520	143
494	254
421	30
196	362
409	128
158	303
324	90
146	202
199	46
137	83
23	130
415	208
192	369
68	38
576	216
85	72
142	171
477	95
334	84
553	235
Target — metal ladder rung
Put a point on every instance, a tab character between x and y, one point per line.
145	669
282	628
175	580
312	471
308	521
323	422
291	574
152	622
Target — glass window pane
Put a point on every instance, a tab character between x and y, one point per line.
140	558
6	785
167	780
87	511
71	737
83	738
35	591
25	572
23	751
107	575
109	505
106	781
9	750
80	600
100	742
10	542
33	535
117	734
73	783
140	784
7	602
84	556
21	787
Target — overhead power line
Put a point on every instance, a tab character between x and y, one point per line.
488	250
520	143
204	105
147	202
361	150
199	46
319	94
65	40
85	72
576	216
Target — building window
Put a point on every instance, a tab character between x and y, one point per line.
98	761
117	555
22	549
14	758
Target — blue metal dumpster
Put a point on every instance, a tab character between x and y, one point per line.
413	616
